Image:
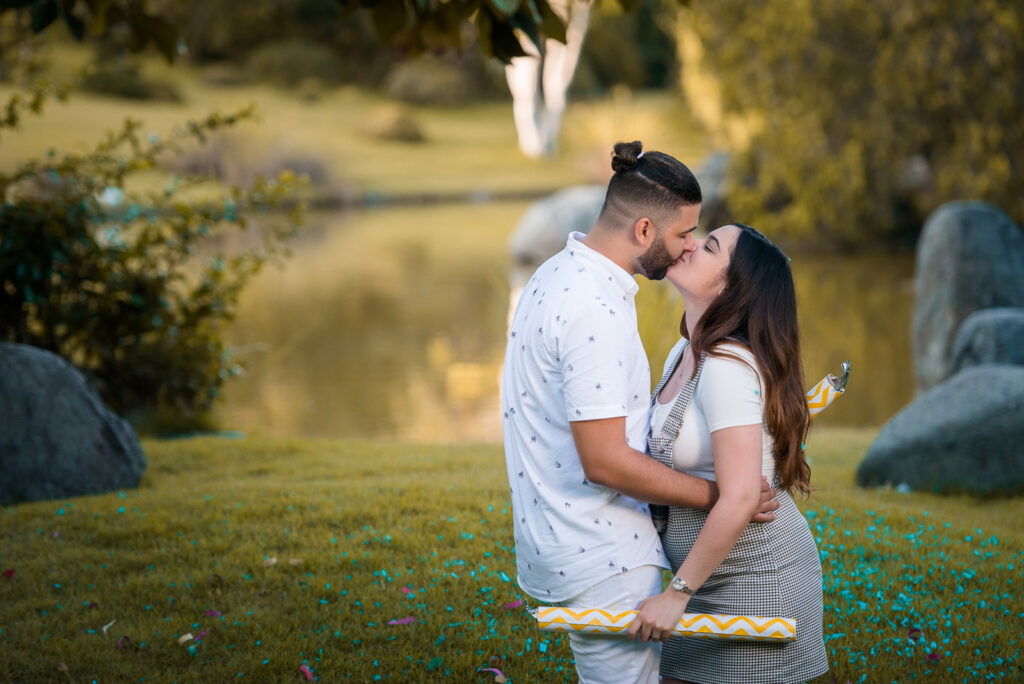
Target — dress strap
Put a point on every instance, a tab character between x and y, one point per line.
675	417
660	445
668	371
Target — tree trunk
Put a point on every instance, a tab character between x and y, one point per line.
539	82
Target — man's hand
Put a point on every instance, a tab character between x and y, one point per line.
658	615
768	504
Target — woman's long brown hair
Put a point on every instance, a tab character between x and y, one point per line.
757	309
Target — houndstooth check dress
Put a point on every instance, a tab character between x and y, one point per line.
773	571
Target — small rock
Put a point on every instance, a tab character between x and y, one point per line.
990	336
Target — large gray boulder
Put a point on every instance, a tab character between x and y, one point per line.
545	225
970	256
966	434
57	438
990	336
543	229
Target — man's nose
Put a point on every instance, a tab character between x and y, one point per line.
689	244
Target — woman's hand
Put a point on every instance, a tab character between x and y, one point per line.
658	616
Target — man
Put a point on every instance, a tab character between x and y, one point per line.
575	401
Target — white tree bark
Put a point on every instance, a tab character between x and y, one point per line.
540	81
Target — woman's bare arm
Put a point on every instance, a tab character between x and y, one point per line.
737	454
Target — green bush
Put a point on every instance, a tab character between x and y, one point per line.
129	286
449	78
121	77
289	63
869	115
427	80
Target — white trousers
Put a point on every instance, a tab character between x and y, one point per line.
608	659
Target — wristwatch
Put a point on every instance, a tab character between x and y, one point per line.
679	584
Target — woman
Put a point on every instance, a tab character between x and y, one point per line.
730	407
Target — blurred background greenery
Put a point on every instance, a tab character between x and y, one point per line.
844	124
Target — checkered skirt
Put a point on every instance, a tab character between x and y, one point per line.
773	570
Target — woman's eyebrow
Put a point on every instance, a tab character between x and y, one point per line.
712	237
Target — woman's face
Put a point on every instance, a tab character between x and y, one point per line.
700	273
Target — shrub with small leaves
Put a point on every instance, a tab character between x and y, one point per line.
866	117
132	287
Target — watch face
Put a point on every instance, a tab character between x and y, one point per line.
679	584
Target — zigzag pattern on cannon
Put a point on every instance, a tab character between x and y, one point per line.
825	392
820	396
599	621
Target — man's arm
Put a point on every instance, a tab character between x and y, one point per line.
609	461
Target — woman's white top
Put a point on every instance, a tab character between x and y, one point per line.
729	393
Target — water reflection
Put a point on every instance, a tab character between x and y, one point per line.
382	324
391	323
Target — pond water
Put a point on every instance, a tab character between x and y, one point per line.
390	323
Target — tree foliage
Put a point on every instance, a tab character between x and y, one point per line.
146	27
867	115
414	27
131	287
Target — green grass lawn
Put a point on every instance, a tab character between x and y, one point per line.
918	587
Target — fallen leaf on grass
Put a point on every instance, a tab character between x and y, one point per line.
403	621
270	561
499	676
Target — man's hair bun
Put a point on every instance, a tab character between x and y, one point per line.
626	155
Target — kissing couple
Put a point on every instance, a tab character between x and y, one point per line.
719	443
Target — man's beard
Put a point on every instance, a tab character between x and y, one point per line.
656	260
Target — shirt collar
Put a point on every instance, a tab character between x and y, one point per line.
618	275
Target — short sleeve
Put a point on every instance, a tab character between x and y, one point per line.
593	348
730	392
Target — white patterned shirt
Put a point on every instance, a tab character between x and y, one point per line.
573	353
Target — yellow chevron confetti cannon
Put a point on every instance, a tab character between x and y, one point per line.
599	621
825	392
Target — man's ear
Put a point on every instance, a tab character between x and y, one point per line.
643	231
